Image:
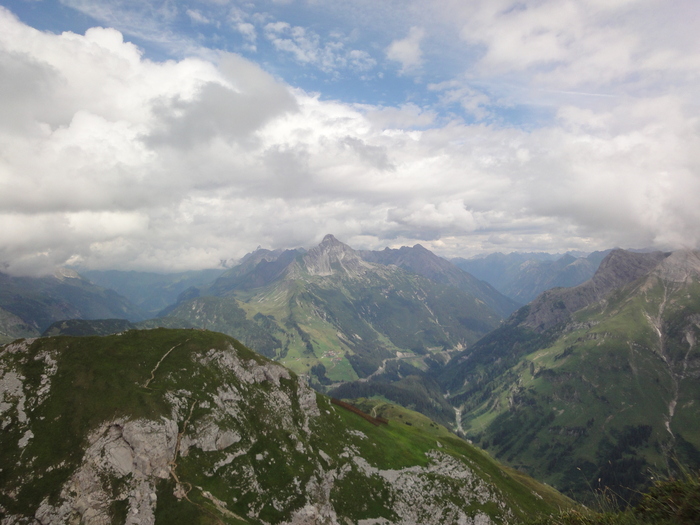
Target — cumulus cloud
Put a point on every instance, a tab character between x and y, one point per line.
407	51
472	101
112	160
406	116
228	109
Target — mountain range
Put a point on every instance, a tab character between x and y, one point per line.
587	387
340	314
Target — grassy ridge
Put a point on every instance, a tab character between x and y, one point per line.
140	374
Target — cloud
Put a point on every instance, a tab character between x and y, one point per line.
156	22
112	160
443	218
408	51
472	101
229	111
197	17
307	48
585	43
406	116
248	31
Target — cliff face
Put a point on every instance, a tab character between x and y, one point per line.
178	426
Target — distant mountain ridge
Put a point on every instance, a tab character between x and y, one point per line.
28	305
523	276
423	262
150	291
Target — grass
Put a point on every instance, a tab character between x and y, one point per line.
668	502
419	434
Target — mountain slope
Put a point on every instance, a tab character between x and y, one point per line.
188	426
331	313
596	386
30	304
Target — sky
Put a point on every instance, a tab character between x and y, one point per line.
174	135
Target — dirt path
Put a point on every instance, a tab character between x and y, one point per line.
153	372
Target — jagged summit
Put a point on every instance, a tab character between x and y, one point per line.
330	239
333	256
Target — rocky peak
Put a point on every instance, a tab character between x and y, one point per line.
680	266
416	259
619	268
330	240
260	254
65	273
258	268
333	256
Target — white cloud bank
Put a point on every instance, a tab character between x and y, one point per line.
110	160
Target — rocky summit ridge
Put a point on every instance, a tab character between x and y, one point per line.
680	266
189	426
332	256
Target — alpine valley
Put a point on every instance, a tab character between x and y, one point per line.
590	387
